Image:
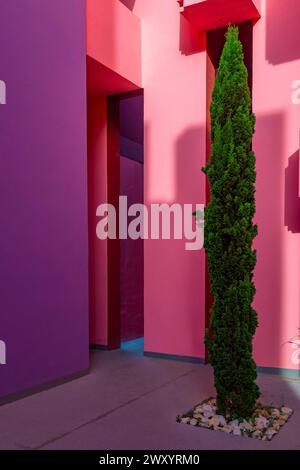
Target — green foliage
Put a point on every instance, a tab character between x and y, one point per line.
229	233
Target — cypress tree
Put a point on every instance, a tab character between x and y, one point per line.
229	233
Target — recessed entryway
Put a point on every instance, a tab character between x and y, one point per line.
132	186
116	266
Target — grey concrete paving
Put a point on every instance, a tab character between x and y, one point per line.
130	402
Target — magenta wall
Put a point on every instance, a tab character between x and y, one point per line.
43	192
97	180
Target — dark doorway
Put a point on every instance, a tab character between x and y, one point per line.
116	264
132	186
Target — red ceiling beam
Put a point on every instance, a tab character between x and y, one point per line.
207	15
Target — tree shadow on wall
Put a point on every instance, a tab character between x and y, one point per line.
292	195
191	189
282	31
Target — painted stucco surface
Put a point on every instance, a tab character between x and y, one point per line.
43	192
113	48
276	143
97	181
43	167
174	113
175	125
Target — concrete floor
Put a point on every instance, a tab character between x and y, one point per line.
130	402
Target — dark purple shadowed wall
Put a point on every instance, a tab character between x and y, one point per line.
132	257
43	192
132	186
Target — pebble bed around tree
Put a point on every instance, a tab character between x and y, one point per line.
265	423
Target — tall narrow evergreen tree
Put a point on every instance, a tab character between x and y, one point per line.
229	233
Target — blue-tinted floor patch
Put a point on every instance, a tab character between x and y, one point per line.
135	346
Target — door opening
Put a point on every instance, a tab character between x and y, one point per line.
132	251
116	264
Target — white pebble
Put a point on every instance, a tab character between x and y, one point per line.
194	422
236	431
286	411
185	420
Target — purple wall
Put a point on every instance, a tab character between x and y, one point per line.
132	256
132	186
43	192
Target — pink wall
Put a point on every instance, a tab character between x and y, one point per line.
276	143
174	87
97	180
175	125
114	41
113	67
